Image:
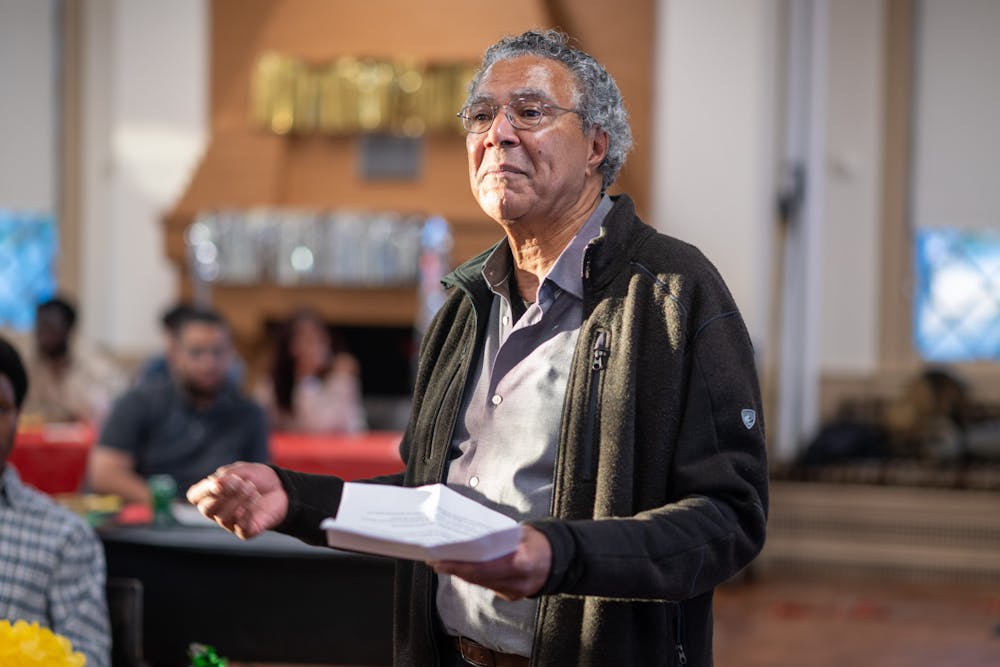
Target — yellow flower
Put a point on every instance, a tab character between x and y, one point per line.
30	645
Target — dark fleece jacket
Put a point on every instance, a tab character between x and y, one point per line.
660	489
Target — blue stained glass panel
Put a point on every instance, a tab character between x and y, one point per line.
28	246
957	310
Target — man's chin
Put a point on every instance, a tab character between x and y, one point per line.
502	207
203	392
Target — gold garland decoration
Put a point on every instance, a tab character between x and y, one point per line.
354	95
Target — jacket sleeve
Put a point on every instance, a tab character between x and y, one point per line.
715	522
312	498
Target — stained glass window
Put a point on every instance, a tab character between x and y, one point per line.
957	313
28	244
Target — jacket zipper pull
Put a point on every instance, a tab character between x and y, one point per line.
600	355
682	658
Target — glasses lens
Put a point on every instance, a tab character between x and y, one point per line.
477	117
525	113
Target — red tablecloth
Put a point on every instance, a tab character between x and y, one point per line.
53	458
346	456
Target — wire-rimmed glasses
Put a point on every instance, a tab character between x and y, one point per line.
524	113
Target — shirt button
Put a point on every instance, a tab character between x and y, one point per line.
497	399
474	482
506	320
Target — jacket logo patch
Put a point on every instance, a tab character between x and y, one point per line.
749	418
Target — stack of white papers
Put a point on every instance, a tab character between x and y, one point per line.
424	523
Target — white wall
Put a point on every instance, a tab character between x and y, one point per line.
145	116
28	87
851	236
715	154
956	131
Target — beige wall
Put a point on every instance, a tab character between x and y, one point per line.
27	105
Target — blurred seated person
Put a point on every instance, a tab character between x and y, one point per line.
69	381
51	563
157	368
314	385
186	426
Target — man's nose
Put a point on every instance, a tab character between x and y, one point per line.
501	132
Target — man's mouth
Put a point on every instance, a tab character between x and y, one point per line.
502	169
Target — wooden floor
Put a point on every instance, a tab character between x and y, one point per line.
797	622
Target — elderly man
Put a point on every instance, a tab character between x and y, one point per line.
587	376
51	563
185	425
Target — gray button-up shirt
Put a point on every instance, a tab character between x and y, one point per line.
504	447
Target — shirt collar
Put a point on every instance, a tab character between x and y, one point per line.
567	272
11	489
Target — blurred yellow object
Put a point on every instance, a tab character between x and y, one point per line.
351	95
89	503
29	422
30	645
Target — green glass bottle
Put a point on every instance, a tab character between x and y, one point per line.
205	656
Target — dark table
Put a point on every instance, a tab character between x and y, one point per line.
272	598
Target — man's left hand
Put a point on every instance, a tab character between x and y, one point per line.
514	576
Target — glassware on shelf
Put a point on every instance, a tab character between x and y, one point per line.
303	247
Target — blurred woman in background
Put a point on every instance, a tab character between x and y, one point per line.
314	385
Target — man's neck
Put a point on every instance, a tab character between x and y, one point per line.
57	363
535	248
199	400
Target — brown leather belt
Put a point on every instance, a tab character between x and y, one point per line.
475	653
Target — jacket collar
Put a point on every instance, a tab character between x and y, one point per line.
609	254
604	258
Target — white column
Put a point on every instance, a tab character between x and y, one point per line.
804	149
145	126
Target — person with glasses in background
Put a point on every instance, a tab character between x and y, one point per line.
587	376
186	425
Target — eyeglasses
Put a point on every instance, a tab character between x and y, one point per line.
199	351
524	113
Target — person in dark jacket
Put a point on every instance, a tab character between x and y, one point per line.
587	376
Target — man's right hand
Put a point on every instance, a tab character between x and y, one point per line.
244	498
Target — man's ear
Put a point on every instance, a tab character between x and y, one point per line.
598	148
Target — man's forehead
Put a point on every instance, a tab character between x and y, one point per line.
199	331
526	76
484	95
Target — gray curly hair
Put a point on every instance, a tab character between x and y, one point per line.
600	100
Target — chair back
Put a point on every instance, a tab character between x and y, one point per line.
125	613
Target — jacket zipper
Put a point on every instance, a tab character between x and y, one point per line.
679	634
429	444
598	362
